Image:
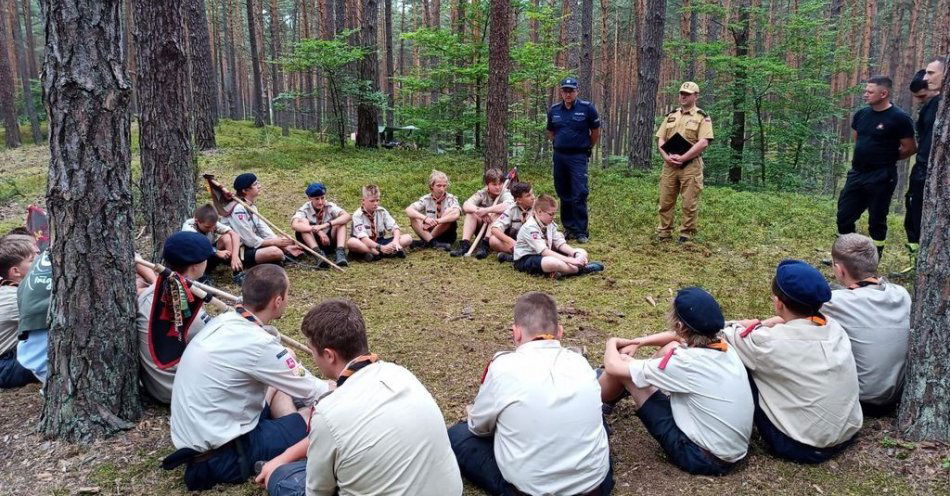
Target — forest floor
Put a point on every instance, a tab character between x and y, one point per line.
443	318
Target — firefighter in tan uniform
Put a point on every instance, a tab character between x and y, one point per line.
683	173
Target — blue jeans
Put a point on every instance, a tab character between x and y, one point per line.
289	479
32	353
12	374
570	183
476	459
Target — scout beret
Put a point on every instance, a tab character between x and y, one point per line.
569	82
244	181
316	189
802	283
699	310
187	248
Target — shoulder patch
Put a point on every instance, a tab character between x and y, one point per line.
666	359
748	330
702	112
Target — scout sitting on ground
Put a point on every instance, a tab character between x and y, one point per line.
394	444
504	231
224	240
259	243
33	304
876	315
185	253
434	216
804	381
536	425
481	208
695	399
371	222
541	249
17	252
321	225
237	405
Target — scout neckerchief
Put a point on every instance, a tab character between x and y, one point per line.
319	215
371	220
243	312
547	231
173	310
355	365
718	345
870	281
818	320
544	337
438	205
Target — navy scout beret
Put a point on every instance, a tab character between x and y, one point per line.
699	310
802	283
316	189
244	181
187	248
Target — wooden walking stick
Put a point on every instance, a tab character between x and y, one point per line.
226	196
481	233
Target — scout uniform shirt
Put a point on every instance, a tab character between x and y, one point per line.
373	226
693	124
482	199
877	320
223	377
709	395
807	381
380	432
249	226
433	209
534	239
542	402
511	220
220	229
330	211
9	317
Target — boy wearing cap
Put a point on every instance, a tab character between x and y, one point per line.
186	253
371	222
504	231
17	252
481	208
683	173
876	315
321	224
541	249
259	244
224	240
693	394
434	216
804	380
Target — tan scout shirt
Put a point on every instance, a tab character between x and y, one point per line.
220	229
9	318
533	239
306	212
693	125
807	380
432	209
482	199
511	220
249	226
373	226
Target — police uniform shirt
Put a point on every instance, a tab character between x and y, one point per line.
511	220
877	320
228	368
542	402
220	229
807	380
382	222
571	126
249	226
329	212
381	432
693	125
879	135
483	199
158	382
9	318
709	395
432	210
534	239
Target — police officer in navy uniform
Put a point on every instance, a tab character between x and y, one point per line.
574	126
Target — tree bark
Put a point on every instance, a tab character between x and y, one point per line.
571	26
257	91
24	63
606	83
390	89
7	105
204	111
924	412
740	33
30	40
649	56
585	71
168	167
367	112
92	388
277	84
236	104
499	65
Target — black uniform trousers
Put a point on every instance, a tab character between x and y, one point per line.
869	190
914	202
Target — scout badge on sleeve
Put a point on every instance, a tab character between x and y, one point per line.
174	308
37	222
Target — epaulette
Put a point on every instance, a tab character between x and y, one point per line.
672	112
485	372
702	112
585	102
555	105
755	325
666	359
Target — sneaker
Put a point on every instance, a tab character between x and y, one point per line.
369	257
582	239
400	254
592	267
419	244
482	251
439	245
341	258
462	249
505	257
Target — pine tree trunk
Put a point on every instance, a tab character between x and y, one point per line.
168	167
92	388
277	84
740	33
606	83
925	406
24	63
7	105
585	71
235	106
390	89
649	56
499	65
367	113
30	40
204	109
257	88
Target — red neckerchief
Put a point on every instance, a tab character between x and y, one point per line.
243	312
870	281
355	365
719	345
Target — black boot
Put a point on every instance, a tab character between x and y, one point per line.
482	250
341	257
462	249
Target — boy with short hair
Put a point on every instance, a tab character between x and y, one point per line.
259	243
321	224
481	208
224	240
371	222
695	400
542	249
17	252
434	216
804	380
876	315
504	231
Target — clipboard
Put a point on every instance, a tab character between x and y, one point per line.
676	145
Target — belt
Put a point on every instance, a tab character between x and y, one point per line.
570	151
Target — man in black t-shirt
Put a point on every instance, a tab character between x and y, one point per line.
883	134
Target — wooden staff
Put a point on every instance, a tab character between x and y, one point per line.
216	292
484	229
220	305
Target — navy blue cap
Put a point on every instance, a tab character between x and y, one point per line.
244	181
569	82
802	283
316	189
699	310
187	248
